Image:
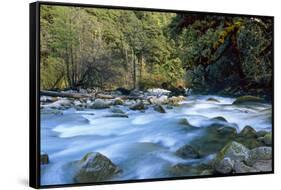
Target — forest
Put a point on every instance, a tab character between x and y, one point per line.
110	48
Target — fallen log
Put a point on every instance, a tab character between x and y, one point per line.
64	94
79	95
132	98
104	96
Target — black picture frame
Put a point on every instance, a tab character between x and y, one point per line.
34	93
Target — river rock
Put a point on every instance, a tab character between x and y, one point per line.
123	91
234	152
184	121
99	104
157	92
187	151
247	99
169	107
224	166
259	153
225	130
95	167
138	106
248	132
44	159
263	165
213	100
175	100
241	167
219	118
118	101
77	103
159	109
249	142
117	110
261	133
117	115
59	104
268	139
50	111
207	172
161	100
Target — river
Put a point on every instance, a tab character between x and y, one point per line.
142	145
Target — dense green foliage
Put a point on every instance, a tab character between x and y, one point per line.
91	47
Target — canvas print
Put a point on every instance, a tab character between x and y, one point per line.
144	94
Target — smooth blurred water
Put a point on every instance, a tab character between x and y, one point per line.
143	144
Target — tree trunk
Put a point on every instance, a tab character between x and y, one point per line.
134	69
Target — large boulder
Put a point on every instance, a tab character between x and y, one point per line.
99	104
235	151
95	167
214	138
187	151
247	99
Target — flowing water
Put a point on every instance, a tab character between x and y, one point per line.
142	145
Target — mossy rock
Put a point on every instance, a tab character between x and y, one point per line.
118	101
247	99
117	110
248	132
184	121
249	142
261	133
99	104
44	159
214	139
95	167
233	150
190	170
268	139
187	152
